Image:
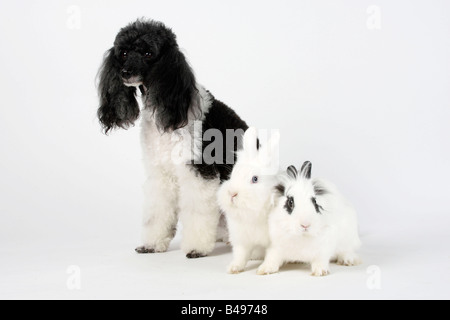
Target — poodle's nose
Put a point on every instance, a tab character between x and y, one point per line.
126	74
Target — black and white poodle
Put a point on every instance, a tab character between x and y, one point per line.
189	138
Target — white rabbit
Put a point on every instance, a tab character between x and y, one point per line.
246	199
311	223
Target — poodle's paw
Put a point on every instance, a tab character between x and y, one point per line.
144	250
195	255
154	248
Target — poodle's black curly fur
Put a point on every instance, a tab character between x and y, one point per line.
146	51
146	55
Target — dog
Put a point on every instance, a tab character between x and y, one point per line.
176	117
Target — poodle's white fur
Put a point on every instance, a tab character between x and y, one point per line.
173	190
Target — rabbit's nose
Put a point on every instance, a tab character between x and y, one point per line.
305	226
233	195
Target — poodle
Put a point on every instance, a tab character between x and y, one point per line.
189	139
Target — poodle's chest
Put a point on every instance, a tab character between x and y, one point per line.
168	149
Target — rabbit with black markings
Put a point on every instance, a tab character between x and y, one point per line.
246	199
311	223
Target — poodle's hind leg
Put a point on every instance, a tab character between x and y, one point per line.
222	230
199	213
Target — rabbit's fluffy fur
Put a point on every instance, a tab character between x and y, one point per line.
311	223
246	199
302	220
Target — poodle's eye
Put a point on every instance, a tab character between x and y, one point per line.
255	179
147	54
124	54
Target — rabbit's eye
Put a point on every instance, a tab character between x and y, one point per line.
255	179
290	205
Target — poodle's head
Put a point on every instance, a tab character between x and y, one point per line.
137	47
145	55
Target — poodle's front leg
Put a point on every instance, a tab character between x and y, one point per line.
160	212
199	213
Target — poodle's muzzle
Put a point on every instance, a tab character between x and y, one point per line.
129	74
129	79
132	81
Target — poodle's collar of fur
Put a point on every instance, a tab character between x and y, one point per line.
133	82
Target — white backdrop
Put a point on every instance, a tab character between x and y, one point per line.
360	88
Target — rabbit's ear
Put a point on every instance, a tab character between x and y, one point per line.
292	172
305	171
277	193
251	142
274	144
269	153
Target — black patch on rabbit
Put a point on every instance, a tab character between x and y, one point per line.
280	189
289	205
316	206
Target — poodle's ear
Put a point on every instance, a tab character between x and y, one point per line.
173	89
118	105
